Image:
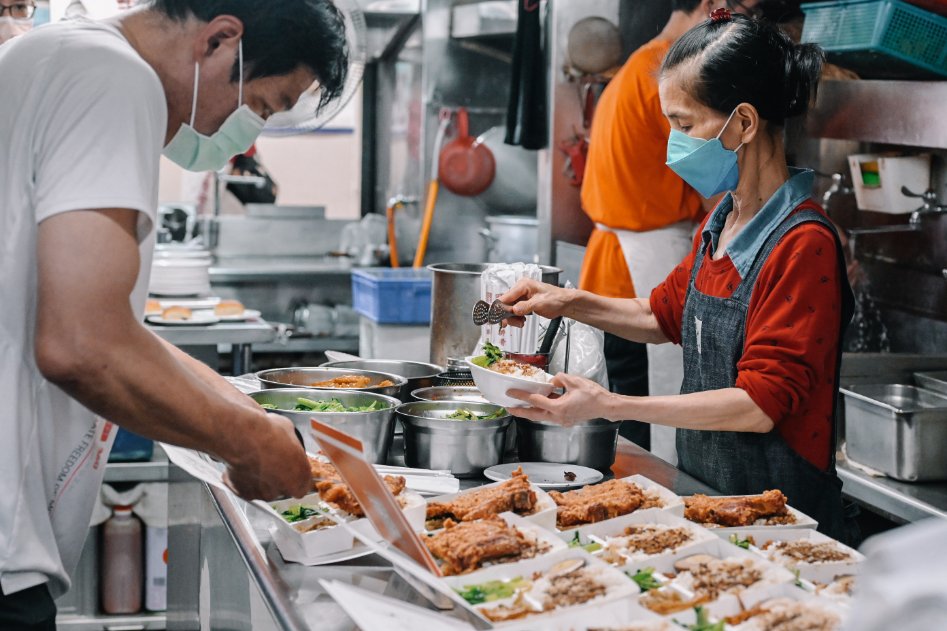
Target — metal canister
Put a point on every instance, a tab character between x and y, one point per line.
456	287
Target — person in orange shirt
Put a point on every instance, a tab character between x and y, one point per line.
645	214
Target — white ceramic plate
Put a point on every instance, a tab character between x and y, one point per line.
248	314
198	318
546	475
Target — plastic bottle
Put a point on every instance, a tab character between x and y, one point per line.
156	568
122	572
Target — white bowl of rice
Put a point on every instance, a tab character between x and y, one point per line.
505	375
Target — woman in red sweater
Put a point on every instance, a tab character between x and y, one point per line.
761	302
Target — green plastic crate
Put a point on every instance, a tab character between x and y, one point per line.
880	39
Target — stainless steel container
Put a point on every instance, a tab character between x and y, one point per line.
934	381
304	377
511	238
455	289
418	374
899	430
592	444
450	393
431	441
375	429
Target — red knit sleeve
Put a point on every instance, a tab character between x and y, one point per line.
667	299
792	323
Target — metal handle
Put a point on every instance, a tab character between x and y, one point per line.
488	237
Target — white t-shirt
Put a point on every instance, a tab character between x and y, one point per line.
82	125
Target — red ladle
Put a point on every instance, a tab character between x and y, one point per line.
466	167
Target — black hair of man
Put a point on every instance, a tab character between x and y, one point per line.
279	37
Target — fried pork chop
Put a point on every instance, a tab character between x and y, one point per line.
513	495
465	547
328	483
597	503
735	511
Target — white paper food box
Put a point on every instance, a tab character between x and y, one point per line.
673	504
544	517
802	521
821	572
610	609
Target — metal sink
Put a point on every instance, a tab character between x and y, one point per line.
899	397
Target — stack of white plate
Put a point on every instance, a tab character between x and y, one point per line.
180	272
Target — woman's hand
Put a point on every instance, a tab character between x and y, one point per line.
531	296
584	400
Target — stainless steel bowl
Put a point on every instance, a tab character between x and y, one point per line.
418	374
374	429
590	444
449	393
303	377
431	441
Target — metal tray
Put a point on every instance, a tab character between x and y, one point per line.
901	430
934	381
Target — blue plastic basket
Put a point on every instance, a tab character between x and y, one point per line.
880	39
392	296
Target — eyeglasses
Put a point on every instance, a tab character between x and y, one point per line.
19	10
737	6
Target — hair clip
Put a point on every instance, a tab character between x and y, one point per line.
721	15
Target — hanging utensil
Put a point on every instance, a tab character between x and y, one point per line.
467	166
433	189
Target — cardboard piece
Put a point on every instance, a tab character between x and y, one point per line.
380	506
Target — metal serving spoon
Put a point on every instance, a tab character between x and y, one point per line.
486	313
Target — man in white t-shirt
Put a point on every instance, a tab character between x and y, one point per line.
86	109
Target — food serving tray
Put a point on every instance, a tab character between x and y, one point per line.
897	429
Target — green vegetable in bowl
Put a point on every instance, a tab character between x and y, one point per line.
491	355
703	624
464	414
492	590
299	513
331	405
645	579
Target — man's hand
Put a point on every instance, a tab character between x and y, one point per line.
274	465
584	400
531	296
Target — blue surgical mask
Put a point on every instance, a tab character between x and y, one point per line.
706	165
194	151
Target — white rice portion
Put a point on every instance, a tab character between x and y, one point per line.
523	371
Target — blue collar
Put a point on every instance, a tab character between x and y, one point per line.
743	248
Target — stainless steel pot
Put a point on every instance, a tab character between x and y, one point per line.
449	393
375	429
592	444
418	374
465	447
304	377
455	289
511	239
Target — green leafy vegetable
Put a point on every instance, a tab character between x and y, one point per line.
330	405
491	590
703	624
741	543
299	513
645	579
491	355
464	414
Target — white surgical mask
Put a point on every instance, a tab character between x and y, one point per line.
194	151
11	27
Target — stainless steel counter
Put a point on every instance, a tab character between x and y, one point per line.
240	336
901	502
289	594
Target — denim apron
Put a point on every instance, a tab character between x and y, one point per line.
739	463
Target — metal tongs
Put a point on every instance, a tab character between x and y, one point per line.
487	313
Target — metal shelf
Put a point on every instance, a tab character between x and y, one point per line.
309	345
136	472
137	622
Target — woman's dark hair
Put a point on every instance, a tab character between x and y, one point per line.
280	36
742	60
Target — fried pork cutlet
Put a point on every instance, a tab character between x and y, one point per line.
465	547
735	511
513	495
597	503
328	483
